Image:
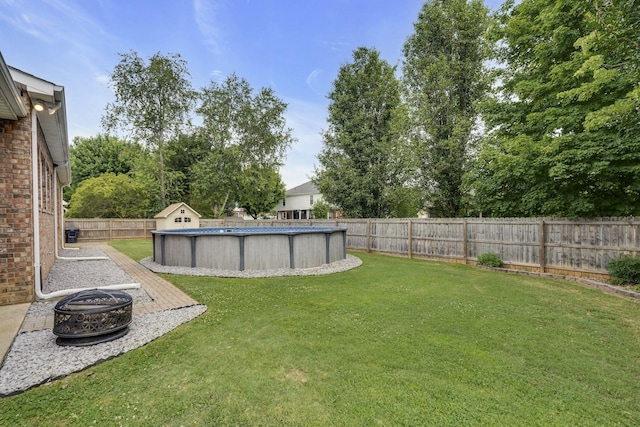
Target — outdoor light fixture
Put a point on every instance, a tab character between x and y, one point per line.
38	105
55	108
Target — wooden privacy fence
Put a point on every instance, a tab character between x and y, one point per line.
551	245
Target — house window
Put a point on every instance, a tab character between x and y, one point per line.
187	219
46	187
311	200
182	211
178	219
284	203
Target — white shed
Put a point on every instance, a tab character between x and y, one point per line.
177	215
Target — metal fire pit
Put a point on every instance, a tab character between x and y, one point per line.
92	317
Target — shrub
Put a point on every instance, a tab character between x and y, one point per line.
490	260
624	270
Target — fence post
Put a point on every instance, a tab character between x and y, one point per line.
368	235
110	229
541	254
410	231
464	241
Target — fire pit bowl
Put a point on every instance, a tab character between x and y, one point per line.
92	317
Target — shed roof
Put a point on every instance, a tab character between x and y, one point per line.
303	189
174	207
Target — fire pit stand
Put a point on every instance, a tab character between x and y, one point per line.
92	317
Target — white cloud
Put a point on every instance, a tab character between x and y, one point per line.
206	17
217	75
313	83
102	78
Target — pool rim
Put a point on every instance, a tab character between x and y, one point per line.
233	231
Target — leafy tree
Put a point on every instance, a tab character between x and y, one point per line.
321	209
153	102
244	131
91	157
147	173
234	117
542	155
181	155
215	181
611	52
361	159
109	196
443	77
260	190
406	201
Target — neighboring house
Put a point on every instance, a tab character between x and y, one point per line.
241	213
34	166
177	215
299	201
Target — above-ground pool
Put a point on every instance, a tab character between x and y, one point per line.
256	248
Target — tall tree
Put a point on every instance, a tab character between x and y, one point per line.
215	181
443	77
542	156
361	155
244	130
180	157
260	190
611	52
153	102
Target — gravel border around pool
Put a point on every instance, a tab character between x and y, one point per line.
346	264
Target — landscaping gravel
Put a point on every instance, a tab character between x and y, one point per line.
335	267
35	358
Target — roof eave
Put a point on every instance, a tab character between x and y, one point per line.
53	120
10	94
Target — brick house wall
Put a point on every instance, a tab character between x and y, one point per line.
16	206
16	226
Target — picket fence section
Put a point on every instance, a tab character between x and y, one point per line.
552	245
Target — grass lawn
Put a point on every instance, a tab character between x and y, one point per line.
393	342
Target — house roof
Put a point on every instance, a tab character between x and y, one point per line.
174	207
11	105
303	189
53	120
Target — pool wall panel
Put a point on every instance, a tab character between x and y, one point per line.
309	250
177	251
266	251
336	247
221	252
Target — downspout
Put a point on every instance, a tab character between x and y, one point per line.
55	231
35	216
62	221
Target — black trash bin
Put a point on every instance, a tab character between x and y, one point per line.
71	235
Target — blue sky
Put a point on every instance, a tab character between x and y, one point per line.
293	46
